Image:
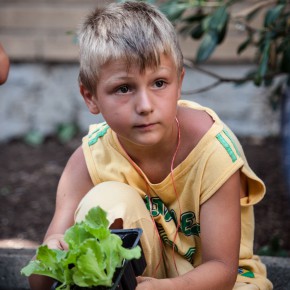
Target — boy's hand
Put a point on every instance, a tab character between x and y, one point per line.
4	65
56	241
149	283
145	283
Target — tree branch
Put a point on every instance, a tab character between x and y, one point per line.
201	90
220	79
244	13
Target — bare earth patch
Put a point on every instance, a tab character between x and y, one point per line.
29	177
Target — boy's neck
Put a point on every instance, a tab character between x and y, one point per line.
140	154
154	161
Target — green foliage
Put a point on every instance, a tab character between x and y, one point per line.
211	28
208	45
272	15
174	10
285	62
274	248
65	132
93	256
208	21
34	138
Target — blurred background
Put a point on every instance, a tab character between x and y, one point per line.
42	92
43	116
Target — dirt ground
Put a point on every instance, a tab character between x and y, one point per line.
29	177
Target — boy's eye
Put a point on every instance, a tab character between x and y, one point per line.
159	83
123	90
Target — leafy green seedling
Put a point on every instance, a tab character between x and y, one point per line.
93	256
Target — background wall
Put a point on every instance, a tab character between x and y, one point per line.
39	30
42	91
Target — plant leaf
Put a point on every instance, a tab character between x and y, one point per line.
34	138
46	263
65	132
173	10
194	18
223	31
90	266
197	31
285	61
76	235
93	256
263	66
273	14
244	44
219	19
208	45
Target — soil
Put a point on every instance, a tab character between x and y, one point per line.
29	177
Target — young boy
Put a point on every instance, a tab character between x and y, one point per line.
170	167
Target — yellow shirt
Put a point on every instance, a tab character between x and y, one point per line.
214	159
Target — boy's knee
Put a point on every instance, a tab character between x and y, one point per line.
116	198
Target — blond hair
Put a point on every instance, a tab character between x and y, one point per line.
134	31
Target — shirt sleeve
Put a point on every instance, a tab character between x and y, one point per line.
225	157
221	162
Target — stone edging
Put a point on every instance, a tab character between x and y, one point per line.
12	260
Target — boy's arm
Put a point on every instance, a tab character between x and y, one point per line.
220	239
4	65
74	183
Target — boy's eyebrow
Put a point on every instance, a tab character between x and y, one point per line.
123	72
113	79
130	75
121	75
164	68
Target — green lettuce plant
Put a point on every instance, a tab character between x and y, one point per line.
94	255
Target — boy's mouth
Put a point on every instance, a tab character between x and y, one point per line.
145	126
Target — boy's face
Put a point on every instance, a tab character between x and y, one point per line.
139	106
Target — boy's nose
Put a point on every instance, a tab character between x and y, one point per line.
143	103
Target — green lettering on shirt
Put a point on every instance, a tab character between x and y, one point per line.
188	225
189	254
233	142
157	208
227	147
99	132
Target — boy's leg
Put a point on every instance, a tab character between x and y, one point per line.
245	286
121	201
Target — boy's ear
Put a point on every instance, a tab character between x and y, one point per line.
181	81
182	76
90	100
